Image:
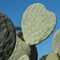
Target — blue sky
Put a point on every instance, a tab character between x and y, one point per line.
14	9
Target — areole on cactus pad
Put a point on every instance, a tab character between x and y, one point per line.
37	23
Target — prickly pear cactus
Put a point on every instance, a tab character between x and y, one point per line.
52	56
34	53
24	57
37	23
20	35
7	37
21	48
56	42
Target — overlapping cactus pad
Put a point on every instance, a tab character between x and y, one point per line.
21	48
34	53
24	57
52	56
7	37
56	42
37	23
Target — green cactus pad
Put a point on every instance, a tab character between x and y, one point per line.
24	57
56	42
52	56
37	23
34	53
7	37
21	48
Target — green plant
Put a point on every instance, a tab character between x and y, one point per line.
7	37
37	24
56	42
21	48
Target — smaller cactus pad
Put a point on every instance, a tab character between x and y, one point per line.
21	48
52	56
56	42
37	23
7	37
24	57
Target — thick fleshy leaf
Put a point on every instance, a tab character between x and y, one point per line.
24	57
21	48
7	37
52	56
37	23
34	53
56	42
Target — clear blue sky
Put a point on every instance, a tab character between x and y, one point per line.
15	9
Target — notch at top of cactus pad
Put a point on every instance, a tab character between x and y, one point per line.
37	23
